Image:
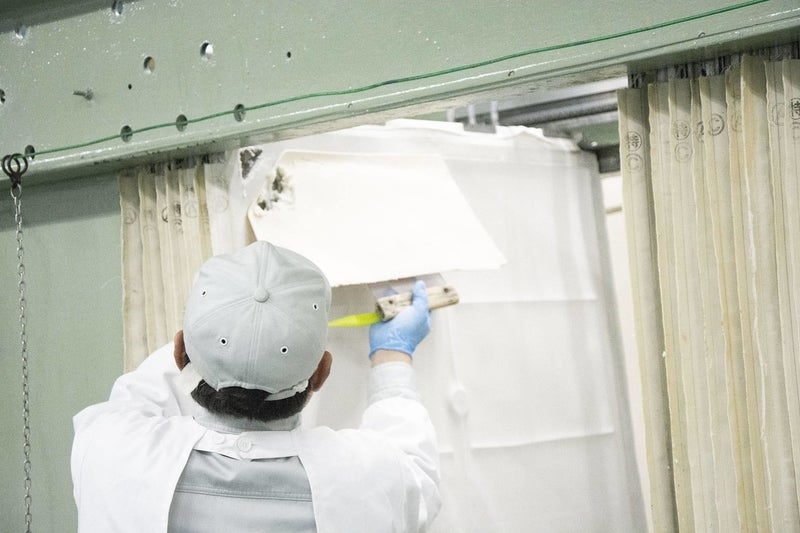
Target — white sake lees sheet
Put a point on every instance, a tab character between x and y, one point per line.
371	217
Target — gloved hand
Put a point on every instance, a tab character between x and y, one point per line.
405	331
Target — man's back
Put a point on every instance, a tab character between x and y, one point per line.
205	434
222	494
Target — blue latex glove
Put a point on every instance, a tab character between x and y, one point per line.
405	331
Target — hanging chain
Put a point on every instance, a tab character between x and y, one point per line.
16	194
15	166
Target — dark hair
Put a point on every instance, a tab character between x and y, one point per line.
248	403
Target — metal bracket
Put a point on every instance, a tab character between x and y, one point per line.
14	166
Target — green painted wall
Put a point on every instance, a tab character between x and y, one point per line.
74	293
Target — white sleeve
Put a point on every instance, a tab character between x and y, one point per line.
156	386
129	451
395	412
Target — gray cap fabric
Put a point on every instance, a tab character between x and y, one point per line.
258	319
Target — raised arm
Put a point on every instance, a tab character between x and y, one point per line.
394	408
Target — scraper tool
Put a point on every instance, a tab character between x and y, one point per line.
389	306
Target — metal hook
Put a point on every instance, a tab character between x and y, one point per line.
15	165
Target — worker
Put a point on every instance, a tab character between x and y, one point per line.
205	435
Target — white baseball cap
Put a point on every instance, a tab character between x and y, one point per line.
258	319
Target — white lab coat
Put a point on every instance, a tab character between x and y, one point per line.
129	453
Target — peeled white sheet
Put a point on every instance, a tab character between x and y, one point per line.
367	218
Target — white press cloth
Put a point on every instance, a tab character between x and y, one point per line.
129	453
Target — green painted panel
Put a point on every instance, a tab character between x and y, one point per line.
305	66
74	294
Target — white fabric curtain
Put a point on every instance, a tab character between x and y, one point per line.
524	378
711	176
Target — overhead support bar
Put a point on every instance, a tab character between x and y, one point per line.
109	84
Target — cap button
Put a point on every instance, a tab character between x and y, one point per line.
261	294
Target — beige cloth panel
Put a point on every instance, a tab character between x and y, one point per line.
712	378
661	155
133	304
689	302
165	238
726	201
180	245
194	246
783	201
730	431
640	227
151	261
225	236
168	234
791	199
744	271
775	433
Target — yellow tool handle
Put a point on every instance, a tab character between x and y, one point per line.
354	321
441	296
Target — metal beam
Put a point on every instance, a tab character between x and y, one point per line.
102	84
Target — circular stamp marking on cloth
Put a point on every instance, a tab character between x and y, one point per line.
681	130
190	208
716	124
634	162
777	114
634	141
700	130
130	215
794	108
683	152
